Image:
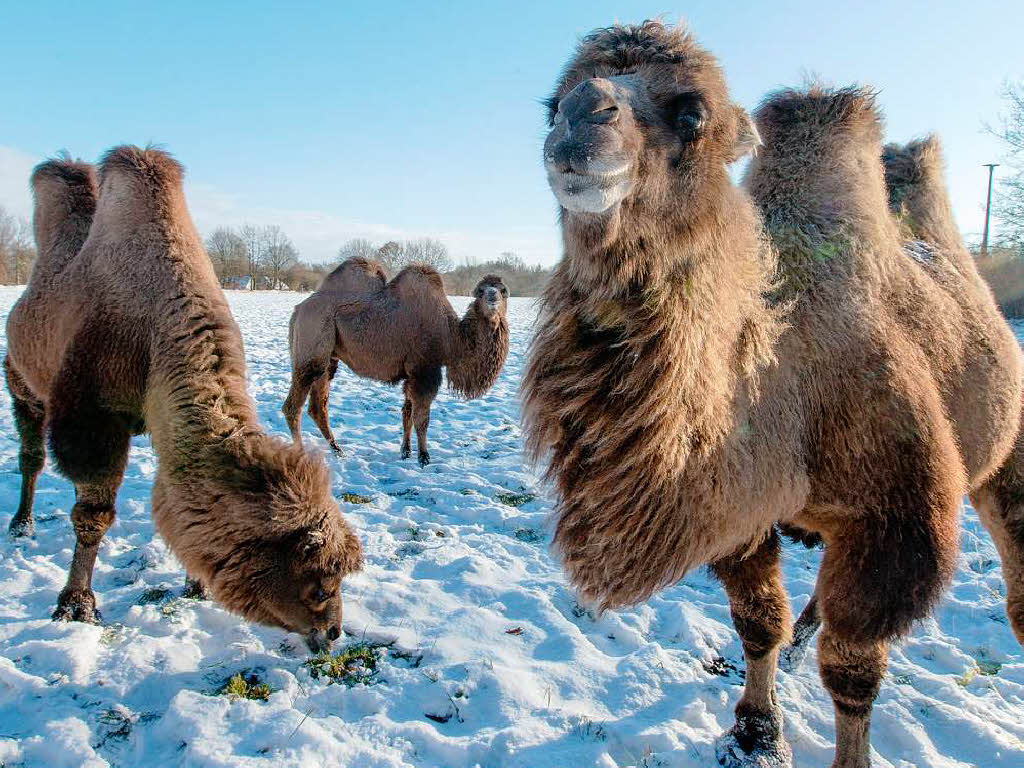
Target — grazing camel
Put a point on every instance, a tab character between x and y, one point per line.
404	331
689	390
139	339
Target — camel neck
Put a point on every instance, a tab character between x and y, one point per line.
477	352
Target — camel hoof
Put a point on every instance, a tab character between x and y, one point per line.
335	447
406	453
755	742
22	527
424	458
77	605
194	590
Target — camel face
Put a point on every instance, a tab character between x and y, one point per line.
648	129
491	297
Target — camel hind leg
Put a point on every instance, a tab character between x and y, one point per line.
1000	505
29	420
423	389
318	399
761	615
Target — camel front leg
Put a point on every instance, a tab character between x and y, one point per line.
424	387
761	615
92	516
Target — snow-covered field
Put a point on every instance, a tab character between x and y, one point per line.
483	657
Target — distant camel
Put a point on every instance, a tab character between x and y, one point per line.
138	338
690	390
405	331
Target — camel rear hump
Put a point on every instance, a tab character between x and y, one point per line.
64	191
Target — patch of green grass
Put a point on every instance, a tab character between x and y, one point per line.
156	596
355	498
989	667
516	499
246	687
354	665
529	535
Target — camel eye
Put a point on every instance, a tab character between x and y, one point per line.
320	595
690	122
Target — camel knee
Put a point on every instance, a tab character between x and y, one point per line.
91	521
851	671
757	599
31	461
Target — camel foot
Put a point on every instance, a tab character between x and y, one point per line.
335	447
792	656
424	458
77	605
406	453
194	590
755	742
22	527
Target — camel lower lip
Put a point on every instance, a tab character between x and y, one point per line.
577	183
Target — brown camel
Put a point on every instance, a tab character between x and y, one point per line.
139	339
690	391
404	331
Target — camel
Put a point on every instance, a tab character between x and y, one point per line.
711	362
403	331
138	339
919	201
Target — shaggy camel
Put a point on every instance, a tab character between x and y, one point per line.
689	392
140	339
919	200
403	331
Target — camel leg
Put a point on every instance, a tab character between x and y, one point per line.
90	446
807	625
761	615
1000	505
194	589
425	385
303	378
318	398
406	422
28	420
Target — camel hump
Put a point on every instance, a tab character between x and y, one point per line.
913	163
62	170
419	273
154	168
796	113
356	274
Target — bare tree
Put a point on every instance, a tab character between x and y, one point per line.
227	253
16	250
390	255
357	247
252	240
427	250
278	254
1008	204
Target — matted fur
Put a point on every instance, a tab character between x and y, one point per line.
687	400
141	339
405	330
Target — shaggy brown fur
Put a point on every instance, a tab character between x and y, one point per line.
139	338
354	276
404	331
683	418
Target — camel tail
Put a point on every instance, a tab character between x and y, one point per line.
1000	505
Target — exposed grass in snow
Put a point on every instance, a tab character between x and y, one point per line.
246	687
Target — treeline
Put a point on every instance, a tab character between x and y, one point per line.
1003	269
520	279
252	257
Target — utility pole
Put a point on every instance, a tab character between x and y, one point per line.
988	208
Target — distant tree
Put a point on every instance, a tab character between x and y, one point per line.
277	254
17	252
252	240
427	250
391	256
357	247
1008	202
227	253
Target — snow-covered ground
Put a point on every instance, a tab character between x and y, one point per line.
488	661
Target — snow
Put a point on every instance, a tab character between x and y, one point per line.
491	661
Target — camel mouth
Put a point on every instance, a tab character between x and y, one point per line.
589	192
319	641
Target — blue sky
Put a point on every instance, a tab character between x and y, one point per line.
390	120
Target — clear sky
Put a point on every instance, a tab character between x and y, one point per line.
392	120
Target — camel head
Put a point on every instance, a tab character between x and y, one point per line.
285	546
641	118
491	298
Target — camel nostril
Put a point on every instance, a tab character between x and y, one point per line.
333	633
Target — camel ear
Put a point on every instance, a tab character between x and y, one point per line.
748	139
